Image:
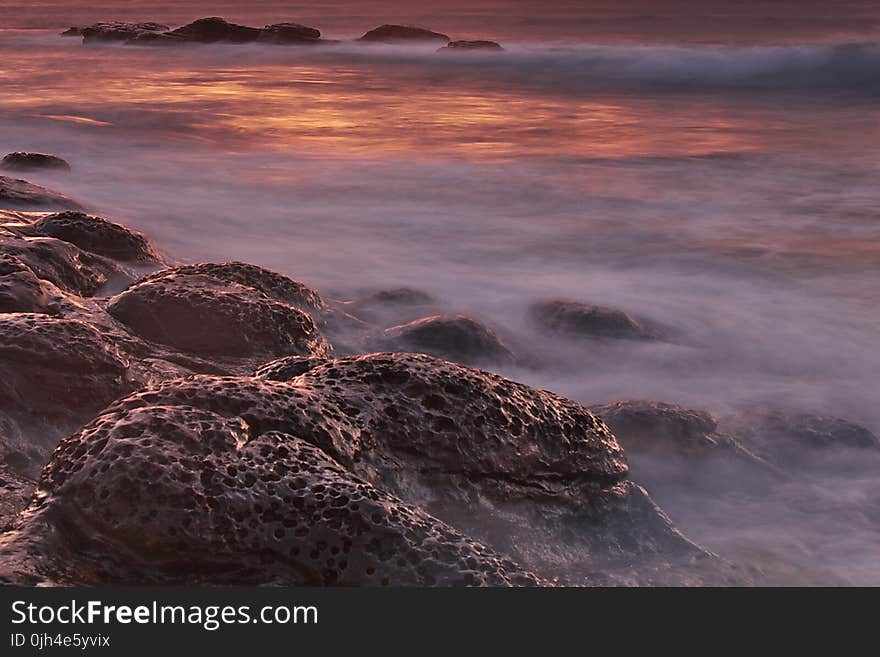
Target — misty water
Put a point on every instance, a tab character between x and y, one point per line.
727	191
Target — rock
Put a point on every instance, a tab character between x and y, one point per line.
287	33
521	470
582	320
402	33
455	337
15	492
471	45
115	31
29	161
185	496
19	194
394	306
203	315
215	30
287	368
73	32
21	291
791	439
96	235
55	370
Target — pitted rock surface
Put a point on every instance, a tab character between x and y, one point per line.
582	320
96	235
456	337
21	291
190	496
203	315
285	369
17	194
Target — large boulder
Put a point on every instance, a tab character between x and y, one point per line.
21	161
19	194
289	33
581	320
96	235
21	291
215	30
182	495
205	315
394	306
115	31
455	337
403	34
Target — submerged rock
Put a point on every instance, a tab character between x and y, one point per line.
471	45
19	194
456	337
96	235
287	368
204	315
29	161
115	31
583	320
402	33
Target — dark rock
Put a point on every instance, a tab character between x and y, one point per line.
215	30
18	194
200	314
287	368
15	492
402	33
180	495
455	337
287	33
582	320
21	291
114	31
96	235
73	32
30	161
394	306
471	45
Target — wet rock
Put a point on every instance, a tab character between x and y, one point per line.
582	320
289	33
215	30
285	369
799	439
15	492
180	495
19	194
116	31
73	32
201	314
394	306
456	337
30	161
96	235
21	291
56	370
402	33
460	46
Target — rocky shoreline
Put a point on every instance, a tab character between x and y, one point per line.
219	423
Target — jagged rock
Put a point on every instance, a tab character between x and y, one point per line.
797	439
288	33
287	368
402	33
204	315
215	30
471	45
456	337
180	495
582	320
115	31
56	370
20	161
96	235
19	194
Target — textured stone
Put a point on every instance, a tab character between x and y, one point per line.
455	337
581	320
21	161
402	33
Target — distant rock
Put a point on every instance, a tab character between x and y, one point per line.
394	306
215	30
19	194
289	33
204	315
582	320
402	33
96	235
21	161
73	32
115	31
471	45
455	337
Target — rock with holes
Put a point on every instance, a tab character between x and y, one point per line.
182	495
17	194
524	471
202	314
465	46
792	439
580	320
115	31
56	370
21	161
403	34
455	337
287	368
96	235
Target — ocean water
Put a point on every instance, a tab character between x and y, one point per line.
714	171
